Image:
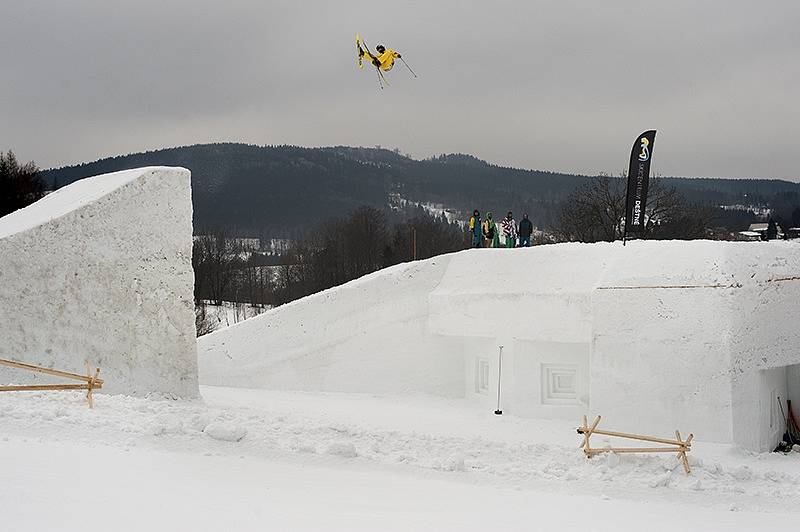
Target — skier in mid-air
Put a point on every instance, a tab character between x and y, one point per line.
383	60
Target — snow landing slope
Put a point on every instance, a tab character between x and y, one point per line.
353	337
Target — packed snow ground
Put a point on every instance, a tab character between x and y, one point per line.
259	460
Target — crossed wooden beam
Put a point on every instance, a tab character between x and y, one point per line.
90	382
678	445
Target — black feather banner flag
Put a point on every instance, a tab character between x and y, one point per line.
638	178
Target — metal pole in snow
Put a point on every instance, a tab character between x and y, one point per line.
625	227
499	373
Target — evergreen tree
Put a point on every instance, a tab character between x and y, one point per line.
20	185
772	230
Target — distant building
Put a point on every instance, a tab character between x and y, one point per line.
755	209
761	229
749	235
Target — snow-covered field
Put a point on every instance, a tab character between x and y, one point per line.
229	312
259	460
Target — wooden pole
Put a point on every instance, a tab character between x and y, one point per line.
636	450
35	387
47	371
678	445
636	437
588	433
682	453
89	397
91	382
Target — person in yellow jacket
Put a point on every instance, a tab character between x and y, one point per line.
475	228
384	60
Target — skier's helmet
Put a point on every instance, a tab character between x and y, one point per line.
380	48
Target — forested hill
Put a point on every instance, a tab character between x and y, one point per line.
283	190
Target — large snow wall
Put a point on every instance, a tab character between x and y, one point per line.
654	336
100	271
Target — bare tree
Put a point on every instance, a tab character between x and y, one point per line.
339	250
365	238
215	257
595	212
203	323
670	216
432	236
256	283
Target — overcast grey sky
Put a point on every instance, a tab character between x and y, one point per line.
553	85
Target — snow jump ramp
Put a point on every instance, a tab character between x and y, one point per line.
697	334
100	271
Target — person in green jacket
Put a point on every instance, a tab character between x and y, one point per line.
489	230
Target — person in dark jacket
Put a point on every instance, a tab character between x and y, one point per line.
524	231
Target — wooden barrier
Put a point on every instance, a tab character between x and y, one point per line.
90	382
678	445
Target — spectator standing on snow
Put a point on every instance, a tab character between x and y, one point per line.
489	232
510	230
525	231
475	228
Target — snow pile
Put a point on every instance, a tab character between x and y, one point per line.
654	335
343	449
225	431
100	272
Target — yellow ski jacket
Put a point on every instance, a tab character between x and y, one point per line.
386	59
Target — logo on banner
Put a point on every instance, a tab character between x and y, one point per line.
645	153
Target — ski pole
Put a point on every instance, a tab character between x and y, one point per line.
408	67
385	81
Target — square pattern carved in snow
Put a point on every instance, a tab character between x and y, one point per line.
481	375
560	384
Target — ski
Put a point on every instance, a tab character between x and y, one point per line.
358	51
